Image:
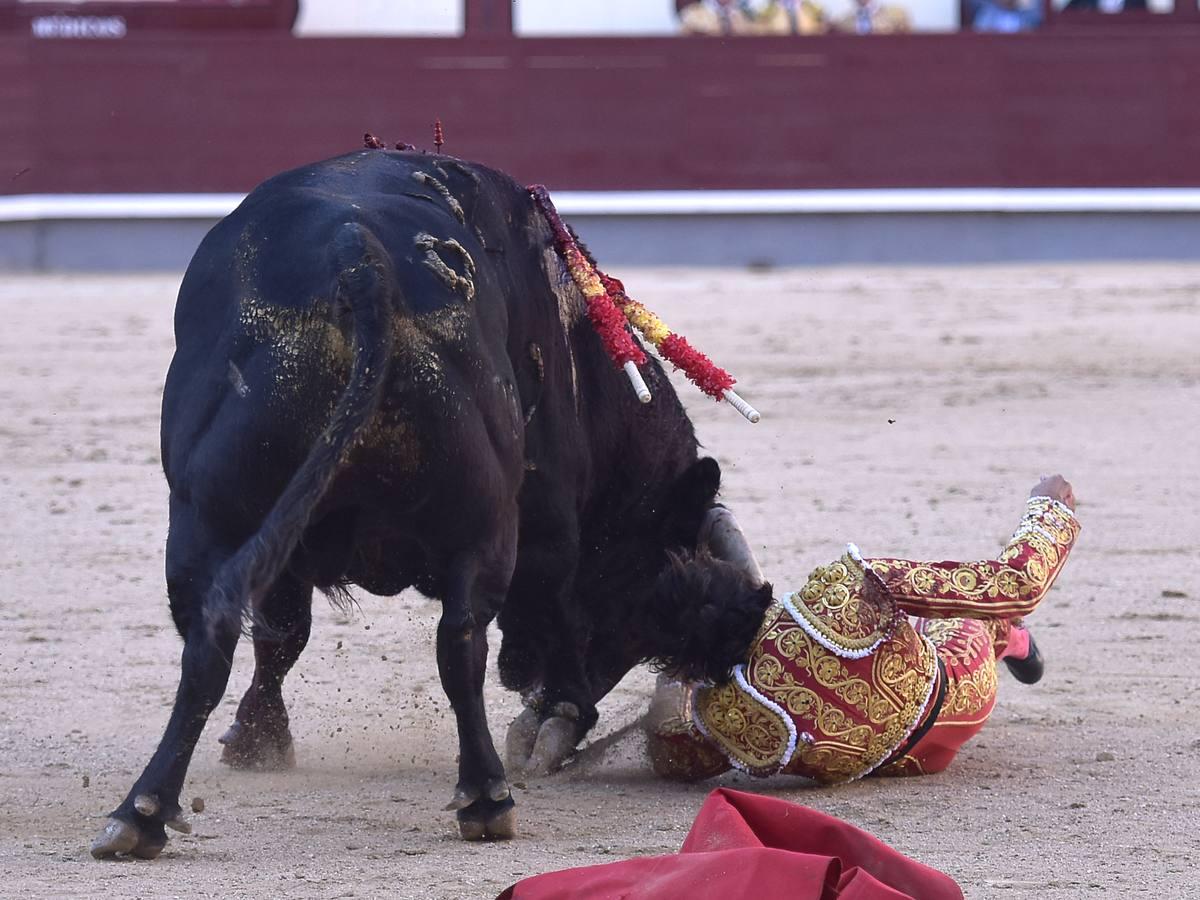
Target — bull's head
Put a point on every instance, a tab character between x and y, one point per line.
707	610
704	611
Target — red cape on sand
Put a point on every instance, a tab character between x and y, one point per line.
746	845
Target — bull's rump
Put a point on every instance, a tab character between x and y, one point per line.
265	345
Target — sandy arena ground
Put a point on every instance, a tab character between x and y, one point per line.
907	410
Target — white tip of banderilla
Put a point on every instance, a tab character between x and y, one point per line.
742	406
639	384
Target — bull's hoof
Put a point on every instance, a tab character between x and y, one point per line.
258	748
537	749
488	820
555	744
119	838
518	743
495	790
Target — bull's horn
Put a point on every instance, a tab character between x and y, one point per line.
723	537
555	742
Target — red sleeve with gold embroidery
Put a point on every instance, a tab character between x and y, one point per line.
1004	588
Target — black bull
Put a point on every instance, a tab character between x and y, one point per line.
384	376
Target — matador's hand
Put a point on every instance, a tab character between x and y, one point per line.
1056	488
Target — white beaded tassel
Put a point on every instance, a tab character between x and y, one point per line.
742	406
639	383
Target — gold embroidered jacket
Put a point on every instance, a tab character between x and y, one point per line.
837	677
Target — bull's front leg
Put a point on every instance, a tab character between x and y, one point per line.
482	798
544	641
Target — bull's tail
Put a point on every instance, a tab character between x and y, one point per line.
365	282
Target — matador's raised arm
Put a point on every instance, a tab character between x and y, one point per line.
1003	588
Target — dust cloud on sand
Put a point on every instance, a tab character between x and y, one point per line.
908	410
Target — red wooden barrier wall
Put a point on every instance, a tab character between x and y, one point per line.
219	112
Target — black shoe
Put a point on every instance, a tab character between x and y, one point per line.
1030	669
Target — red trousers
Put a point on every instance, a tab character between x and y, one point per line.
969	650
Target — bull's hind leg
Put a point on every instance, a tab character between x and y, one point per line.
259	737
477	585
136	827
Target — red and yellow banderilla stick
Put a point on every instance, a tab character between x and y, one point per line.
609	308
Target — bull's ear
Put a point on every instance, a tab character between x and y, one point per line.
698	486
690	497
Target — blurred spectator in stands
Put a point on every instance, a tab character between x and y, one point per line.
1105	6
1005	16
791	17
716	17
746	17
872	17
